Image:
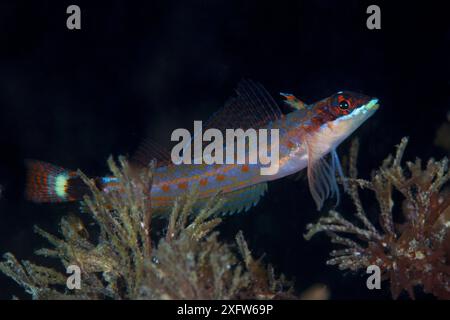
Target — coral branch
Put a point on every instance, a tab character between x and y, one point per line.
416	252
188	262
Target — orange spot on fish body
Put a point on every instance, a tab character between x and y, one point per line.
316	121
182	185
290	144
203	182
245	168
165	188
220	177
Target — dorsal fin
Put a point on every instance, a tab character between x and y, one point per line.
252	107
148	151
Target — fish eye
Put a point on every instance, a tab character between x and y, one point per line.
344	105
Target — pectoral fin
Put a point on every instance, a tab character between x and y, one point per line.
322	175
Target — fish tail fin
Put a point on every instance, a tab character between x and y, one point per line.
50	183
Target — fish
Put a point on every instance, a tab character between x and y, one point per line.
309	135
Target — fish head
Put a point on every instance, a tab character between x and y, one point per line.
342	113
331	121
346	105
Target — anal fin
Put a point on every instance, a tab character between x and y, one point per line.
243	199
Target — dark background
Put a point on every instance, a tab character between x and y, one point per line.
144	68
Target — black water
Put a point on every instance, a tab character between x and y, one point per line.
144	68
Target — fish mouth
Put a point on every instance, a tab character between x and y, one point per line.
372	105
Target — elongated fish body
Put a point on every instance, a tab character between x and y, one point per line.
306	136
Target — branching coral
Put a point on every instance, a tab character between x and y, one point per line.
414	252
188	262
